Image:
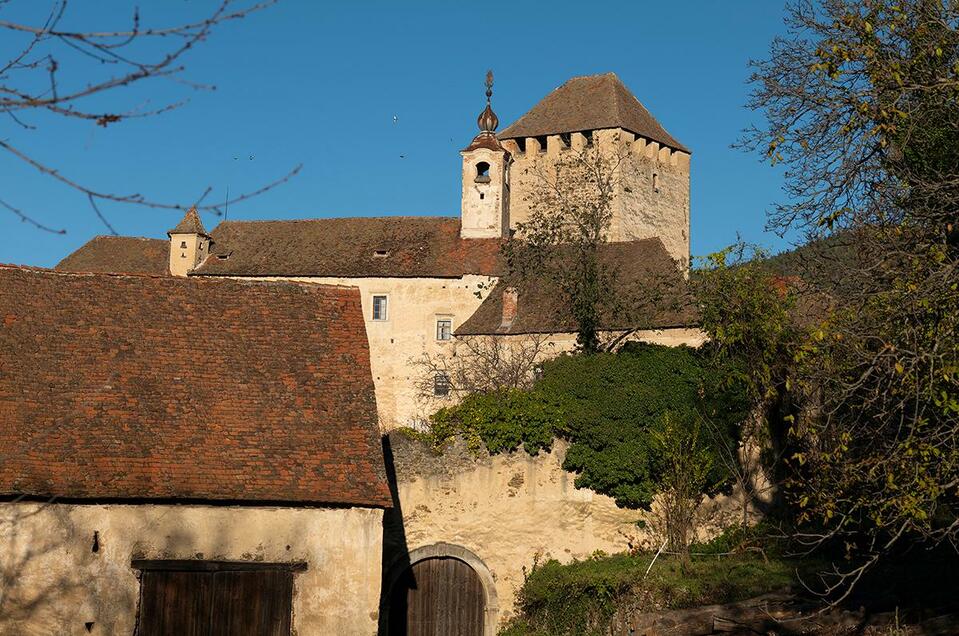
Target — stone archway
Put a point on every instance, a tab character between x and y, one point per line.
442	550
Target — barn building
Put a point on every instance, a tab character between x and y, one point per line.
186	457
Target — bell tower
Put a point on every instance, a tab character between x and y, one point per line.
484	208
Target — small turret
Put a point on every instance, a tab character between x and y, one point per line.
189	244
485	203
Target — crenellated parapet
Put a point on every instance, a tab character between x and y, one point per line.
651	197
532	149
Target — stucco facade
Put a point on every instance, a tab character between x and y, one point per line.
414	305
53	582
409	330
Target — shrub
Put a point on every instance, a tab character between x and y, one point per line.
501	420
581	597
609	406
614	405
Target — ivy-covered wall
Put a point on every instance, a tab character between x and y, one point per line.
614	409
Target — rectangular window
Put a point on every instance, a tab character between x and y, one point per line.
441	385
444	329
379	307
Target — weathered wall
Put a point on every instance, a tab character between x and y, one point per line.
53	583
186	252
484	209
513	509
410	331
652	188
653	196
672	337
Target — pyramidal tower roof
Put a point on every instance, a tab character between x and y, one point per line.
590	102
189	224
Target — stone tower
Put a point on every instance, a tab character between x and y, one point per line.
485	203
651	197
189	244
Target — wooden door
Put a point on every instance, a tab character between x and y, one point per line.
215	603
438	597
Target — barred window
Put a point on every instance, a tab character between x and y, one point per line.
441	385
379	308
444	329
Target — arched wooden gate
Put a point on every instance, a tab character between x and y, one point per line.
438	596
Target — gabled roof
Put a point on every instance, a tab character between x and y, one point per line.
138	387
648	283
120	254
349	247
189	224
590	102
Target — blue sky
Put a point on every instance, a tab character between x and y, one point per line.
319	83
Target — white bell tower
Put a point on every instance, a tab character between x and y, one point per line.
484	208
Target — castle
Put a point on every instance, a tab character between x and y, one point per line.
194	426
426	281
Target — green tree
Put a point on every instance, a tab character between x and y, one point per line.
861	100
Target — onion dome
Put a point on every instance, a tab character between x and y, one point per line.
487	122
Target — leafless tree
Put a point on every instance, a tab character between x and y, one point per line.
560	247
481	364
35	82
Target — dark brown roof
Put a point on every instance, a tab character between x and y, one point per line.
648	284
139	387
349	247
591	102
120	254
189	224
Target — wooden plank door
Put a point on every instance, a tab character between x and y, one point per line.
216	603
256	603
175	603
438	597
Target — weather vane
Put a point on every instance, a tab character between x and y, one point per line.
489	84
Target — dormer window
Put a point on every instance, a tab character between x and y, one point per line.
482	172
381	253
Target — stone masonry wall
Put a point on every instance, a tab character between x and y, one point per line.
652	187
513	509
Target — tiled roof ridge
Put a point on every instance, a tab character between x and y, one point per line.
406	217
174	279
127	236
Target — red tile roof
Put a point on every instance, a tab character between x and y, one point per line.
140	387
120	254
349	247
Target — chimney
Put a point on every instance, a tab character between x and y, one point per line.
510	305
